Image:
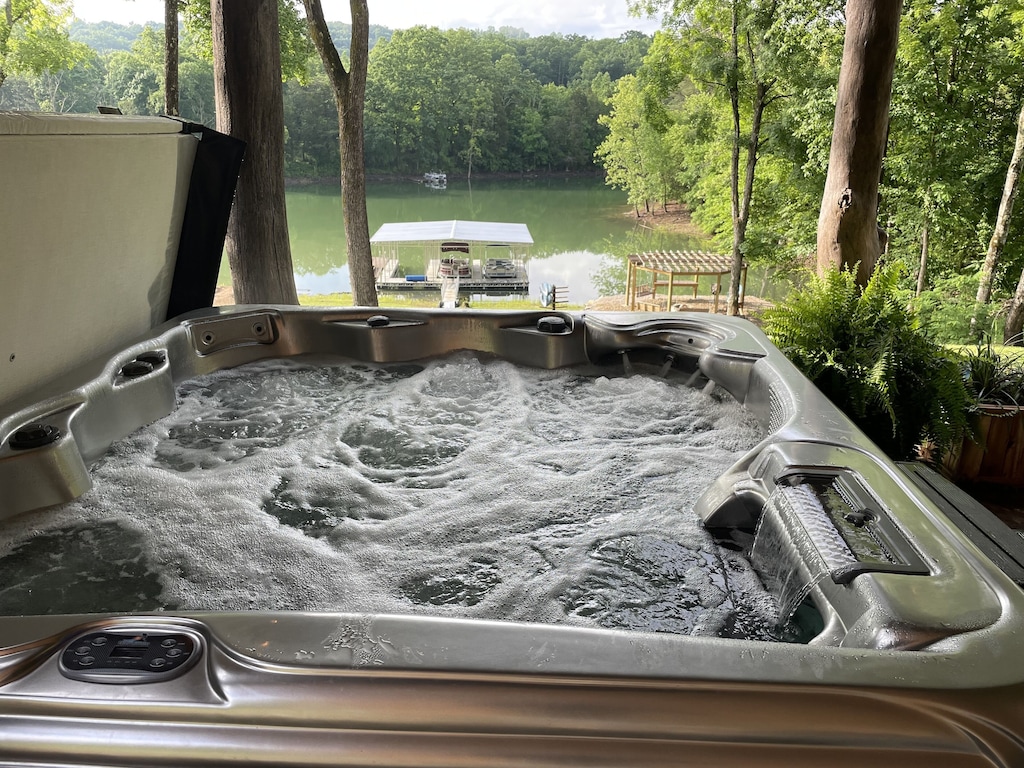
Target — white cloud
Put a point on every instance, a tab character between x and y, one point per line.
593	18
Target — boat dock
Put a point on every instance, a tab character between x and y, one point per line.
389	277
483	257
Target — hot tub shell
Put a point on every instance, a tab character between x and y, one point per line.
917	661
919	665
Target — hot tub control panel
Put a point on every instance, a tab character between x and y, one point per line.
128	657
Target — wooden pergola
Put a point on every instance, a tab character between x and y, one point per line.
669	270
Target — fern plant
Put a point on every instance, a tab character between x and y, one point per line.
866	350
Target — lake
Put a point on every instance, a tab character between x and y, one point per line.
580	226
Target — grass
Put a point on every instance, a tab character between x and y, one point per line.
1004	351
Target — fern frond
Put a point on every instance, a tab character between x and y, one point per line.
868	352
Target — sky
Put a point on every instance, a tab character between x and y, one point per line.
593	18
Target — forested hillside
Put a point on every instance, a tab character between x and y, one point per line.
455	100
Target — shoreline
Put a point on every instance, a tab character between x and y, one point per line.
672	217
418	178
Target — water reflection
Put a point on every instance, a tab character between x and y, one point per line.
579	225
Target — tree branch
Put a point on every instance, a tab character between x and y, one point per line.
325	46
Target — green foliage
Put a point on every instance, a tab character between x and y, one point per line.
635	154
947	307
992	378
956	95
133	79
455	99
784	70
610	277
296	47
78	89
311	120
959	76
496	101
34	38
104	36
866	350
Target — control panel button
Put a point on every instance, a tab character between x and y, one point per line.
119	656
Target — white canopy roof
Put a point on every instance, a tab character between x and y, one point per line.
463	231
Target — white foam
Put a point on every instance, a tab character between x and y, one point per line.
472	488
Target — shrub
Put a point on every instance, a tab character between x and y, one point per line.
866	350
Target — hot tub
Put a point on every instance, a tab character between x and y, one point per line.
912	656
904	647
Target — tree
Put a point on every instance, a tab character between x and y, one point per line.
78	89
634	154
1002	226
727	47
311	116
954	105
405	99
247	80
34	38
1015	315
349	87
132	77
848	232
171	57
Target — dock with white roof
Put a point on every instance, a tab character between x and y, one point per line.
487	257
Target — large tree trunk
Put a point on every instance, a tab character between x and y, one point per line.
1015	317
350	96
848	233
1003	217
171	57
247	80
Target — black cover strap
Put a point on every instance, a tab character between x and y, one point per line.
210	196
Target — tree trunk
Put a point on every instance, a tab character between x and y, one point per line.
848	233
1015	316
736	273
1003	217
349	97
171	57
922	270
247	82
738	226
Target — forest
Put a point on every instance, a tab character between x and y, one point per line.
460	101
652	113
958	92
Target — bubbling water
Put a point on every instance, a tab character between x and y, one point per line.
463	487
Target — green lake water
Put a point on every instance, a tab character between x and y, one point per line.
579	226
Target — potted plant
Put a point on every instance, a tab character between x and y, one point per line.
994	452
